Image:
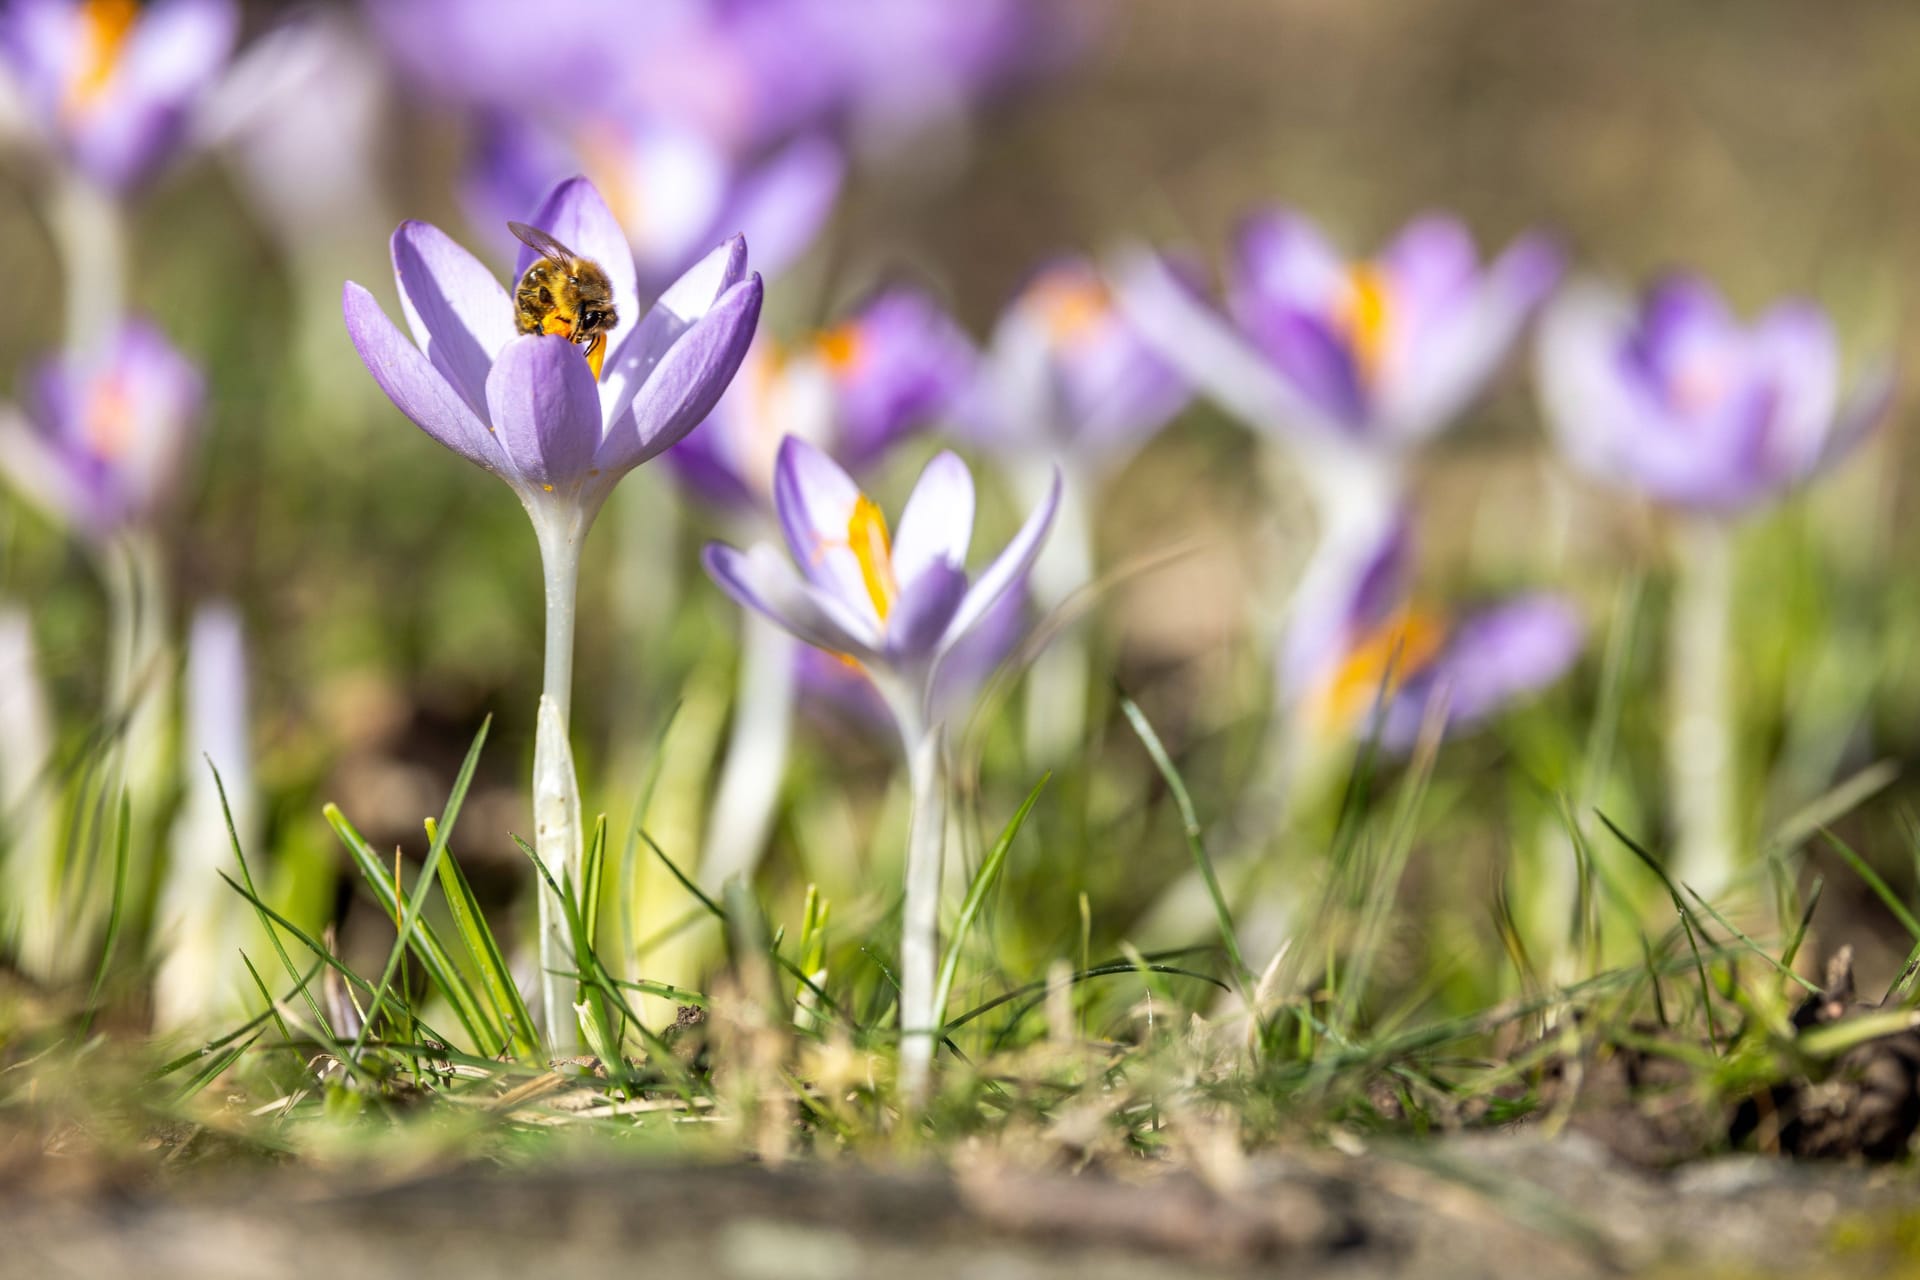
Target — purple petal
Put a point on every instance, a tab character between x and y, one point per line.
1492	659
689	298
1284	261
815	501
936	525
1795	353
459	313
172	55
781	206
761	579
925	608
1009	567
898	365
414	385
545	409
681	390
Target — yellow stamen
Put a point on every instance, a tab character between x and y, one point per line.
873	550
1072	304
1366	316
607	158
842	348
1383	660
109	423
104	28
596	354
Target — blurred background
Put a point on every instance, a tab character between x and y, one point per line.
390	594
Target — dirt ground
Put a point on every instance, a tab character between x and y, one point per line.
1495	1206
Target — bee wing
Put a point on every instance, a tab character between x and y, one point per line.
540	242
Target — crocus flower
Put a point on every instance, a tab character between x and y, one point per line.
899	607
1674	397
674	192
897	364
111	85
1068	377
102	442
1379	353
526	406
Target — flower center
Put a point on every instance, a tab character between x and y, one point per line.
107	425
1383	660
873	551
104	28
1072	305
1365	315
842	348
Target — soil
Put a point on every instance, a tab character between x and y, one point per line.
1505	1205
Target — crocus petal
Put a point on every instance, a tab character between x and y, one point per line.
414	385
575	214
172	54
689	298
460	315
1492	659
936	525
815	499
546	409
763	580
1009	567
781	206
1795	352
1284	259
923	612
1202	344
683	387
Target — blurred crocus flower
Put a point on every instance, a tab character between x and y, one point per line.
1404	660
1379	353
898	607
110	84
527	406
102	443
893	367
1067	377
901	609
673	190
1673	396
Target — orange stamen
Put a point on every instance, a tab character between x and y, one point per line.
873	551
842	348
109	423
1366	317
1383	660
597	354
1072	305
104	28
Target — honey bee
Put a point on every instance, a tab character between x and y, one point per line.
564	293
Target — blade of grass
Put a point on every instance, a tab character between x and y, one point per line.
1190	826
983	882
1686	919
115	909
484	951
1872	880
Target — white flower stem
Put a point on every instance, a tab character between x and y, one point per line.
1700	708
90	235
30	920
556	788
139	690
920	915
1057	685
756	760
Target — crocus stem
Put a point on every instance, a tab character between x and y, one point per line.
89	232
556	788
756	762
920	916
1700	763
139	689
1057	684
30	923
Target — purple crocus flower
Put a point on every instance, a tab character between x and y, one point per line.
1380	353
1068	377
1674	397
1423	660
896	365
102	441
111	85
899	607
527	407
674	192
